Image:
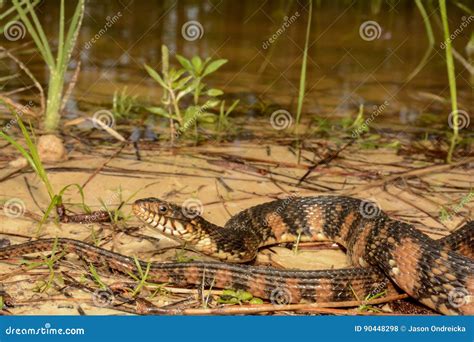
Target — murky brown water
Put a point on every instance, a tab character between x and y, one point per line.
344	70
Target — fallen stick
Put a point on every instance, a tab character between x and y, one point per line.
253	309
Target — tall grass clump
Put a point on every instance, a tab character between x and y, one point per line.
57	64
451	78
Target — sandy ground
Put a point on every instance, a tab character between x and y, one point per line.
257	172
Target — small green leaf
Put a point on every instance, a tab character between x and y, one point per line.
211	103
165	58
214	92
232	107
158	111
229	292
182	82
207	117
256	301
176	74
155	76
197	64
186	63
213	66
245	296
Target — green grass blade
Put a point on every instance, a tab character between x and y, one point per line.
20	149
431	40
451	78
36	31
302	87
72	34
60	54
81	192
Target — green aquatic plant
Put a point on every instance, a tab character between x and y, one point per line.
57	65
451	79
198	69
175	85
178	83
123	104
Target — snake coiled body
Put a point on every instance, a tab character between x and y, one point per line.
428	270
384	252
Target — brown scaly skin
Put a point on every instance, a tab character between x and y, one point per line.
424	268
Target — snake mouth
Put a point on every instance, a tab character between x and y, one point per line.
160	215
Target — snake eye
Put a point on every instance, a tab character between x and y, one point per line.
162	209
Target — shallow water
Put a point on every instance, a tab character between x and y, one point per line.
344	70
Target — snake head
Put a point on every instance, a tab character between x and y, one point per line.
167	217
